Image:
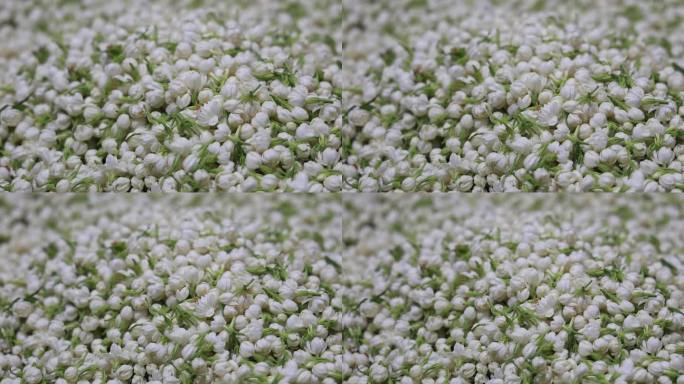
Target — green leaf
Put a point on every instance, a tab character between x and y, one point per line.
116	53
42	54
459	55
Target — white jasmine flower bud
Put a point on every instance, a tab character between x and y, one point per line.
121	184
378	373
123	122
11	117
124	372
252	161
206	305
32	375
333	183
549	114
585	348
246	349
316	346
358	117
635	114
188	351
592	330
22	309
329	157
209	113
468	370
664	156
191	79
653	345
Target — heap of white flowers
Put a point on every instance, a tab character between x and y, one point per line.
370	289
184	290
353	95
170	96
537	95
517	289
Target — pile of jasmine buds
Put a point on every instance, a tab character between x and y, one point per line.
193	290
521	289
352	289
322	95
170	96
536	95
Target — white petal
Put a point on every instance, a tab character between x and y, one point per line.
634	96
208	115
549	114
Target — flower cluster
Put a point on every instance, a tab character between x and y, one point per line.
170	96
354	289
514	96
522	289
193	290
353	95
